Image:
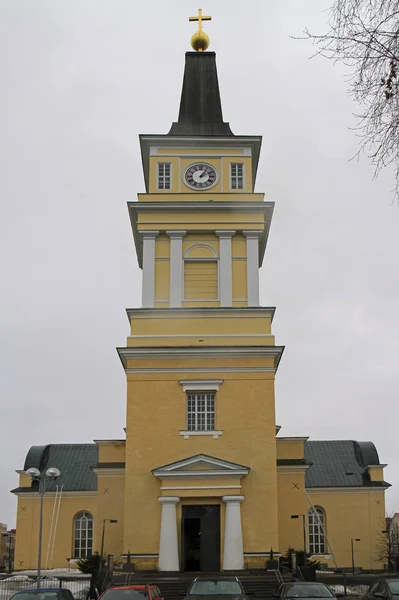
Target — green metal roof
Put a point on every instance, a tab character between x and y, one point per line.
340	463
333	463
73	460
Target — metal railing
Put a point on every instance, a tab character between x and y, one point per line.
79	586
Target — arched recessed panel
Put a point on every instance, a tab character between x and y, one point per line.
201	251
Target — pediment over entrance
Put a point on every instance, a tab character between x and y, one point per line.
201	465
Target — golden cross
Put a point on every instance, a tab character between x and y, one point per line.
199	18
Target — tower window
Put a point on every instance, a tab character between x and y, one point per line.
237	176
316	524
83	535
201	412
164	176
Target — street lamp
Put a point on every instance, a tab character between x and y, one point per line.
52	473
304	536
102	539
353	553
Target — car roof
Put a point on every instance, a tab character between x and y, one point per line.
130	587
217	578
304	583
38	590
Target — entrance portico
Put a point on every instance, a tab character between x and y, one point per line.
196	513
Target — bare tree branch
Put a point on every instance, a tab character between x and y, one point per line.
364	35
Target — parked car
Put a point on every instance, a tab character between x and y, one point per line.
215	587
132	592
383	588
43	594
305	589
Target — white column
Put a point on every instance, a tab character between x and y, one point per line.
168	547
148	291
225	268
252	267
176	268
233	553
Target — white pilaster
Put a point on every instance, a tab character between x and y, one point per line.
168	547
148	291
233	554
225	268
176	268
252	267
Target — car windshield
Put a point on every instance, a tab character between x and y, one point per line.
216	587
394	587
125	595
315	590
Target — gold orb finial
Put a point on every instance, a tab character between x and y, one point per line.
200	41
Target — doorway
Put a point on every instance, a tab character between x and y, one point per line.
201	538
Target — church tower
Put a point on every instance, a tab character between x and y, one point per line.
201	482
200	360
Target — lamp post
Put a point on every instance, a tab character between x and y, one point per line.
52	473
304	536
102	540
353	553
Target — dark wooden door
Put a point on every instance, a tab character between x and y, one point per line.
201	538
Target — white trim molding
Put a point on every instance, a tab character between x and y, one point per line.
217	467
253	238
205	352
148	289
200	385
225	267
187	434
176	267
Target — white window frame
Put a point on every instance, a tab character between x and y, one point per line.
85	545
237	177
198	386
163	176
197	415
316	531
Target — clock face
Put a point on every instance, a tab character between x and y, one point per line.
200	176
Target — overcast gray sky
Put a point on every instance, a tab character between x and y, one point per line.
79	81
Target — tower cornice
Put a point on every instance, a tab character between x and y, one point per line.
197	206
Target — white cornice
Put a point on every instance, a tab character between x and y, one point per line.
130	352
200	206
186	468
292	439
249	312
203	370
200	384
197	207
110	442
202	473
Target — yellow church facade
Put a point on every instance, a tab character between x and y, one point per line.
203	480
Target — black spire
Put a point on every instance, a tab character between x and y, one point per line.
200	107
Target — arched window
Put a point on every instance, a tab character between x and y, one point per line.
201	274
83	535
316	528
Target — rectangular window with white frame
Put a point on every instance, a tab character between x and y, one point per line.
164	176
236	176
201	411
